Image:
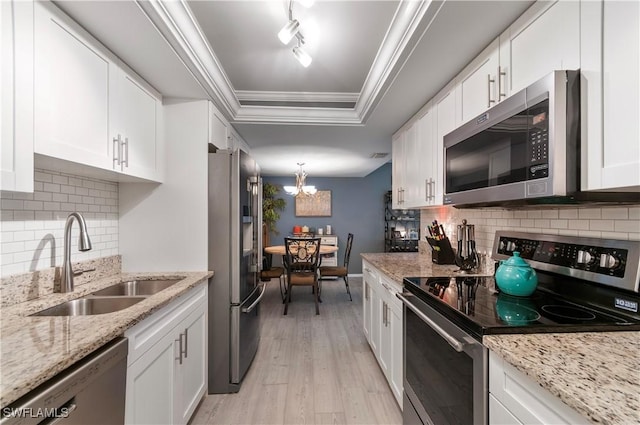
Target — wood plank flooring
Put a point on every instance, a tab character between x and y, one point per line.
309	369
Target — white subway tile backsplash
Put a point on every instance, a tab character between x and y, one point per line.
568	214
590	213
619	222
628	226
32	226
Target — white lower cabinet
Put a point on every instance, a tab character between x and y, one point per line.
166	367
383	325
516	399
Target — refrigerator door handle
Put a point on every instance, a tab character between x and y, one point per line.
257	301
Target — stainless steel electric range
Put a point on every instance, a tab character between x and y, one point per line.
584	284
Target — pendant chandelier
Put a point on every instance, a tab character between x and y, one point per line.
300	188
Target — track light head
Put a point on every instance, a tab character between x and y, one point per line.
302	56
288	31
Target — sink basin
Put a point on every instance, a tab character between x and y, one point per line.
137	287
89	306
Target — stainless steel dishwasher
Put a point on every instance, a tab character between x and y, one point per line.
91	391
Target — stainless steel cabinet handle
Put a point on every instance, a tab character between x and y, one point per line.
125	144
116	151
366	291
186	343
179	341
457	345
501	74
257	301
427	185
489	81
384	313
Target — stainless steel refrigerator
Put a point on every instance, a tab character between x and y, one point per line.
235	247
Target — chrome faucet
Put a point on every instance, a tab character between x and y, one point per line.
84	244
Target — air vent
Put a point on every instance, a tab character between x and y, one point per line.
379	155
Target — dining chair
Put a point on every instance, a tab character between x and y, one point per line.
343	272
269	271
302	257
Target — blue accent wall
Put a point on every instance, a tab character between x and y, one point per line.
357	206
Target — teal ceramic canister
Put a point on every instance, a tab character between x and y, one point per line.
516	277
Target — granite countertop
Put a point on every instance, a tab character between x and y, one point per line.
398	265
34	349
595	373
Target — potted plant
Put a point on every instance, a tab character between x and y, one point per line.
271	207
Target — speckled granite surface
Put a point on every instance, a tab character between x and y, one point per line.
597	374
399	265
34	349
29	286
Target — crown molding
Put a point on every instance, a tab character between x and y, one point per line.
282	115
175	21
287	96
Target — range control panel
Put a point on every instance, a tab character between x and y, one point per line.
605	260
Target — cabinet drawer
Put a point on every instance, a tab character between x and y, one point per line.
145	334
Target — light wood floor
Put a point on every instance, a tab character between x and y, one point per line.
309	369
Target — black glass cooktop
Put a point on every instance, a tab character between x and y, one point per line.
474	305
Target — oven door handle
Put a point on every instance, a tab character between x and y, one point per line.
457	345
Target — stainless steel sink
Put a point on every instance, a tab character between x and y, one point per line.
137	287
90	306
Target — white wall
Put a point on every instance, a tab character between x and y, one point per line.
164	227
32	224
622	222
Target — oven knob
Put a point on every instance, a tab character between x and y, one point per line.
511	246
608	261
585	257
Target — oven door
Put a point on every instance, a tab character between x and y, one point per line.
445	369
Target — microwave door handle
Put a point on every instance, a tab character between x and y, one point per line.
457	345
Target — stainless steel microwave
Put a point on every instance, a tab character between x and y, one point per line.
524	148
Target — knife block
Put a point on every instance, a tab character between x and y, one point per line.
441	251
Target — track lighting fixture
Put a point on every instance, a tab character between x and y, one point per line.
302	56
291	30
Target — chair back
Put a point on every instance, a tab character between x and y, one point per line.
347	252
302	254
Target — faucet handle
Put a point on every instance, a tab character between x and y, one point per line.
79	272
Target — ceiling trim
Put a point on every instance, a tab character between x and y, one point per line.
287	96
284	114
175	21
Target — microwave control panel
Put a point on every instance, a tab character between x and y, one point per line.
538	141
595	259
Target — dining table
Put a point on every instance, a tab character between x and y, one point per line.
280	249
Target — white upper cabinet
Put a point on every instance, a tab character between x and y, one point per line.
412	167
545	38
134	120
446	119
218	129
71	91
610	92
427	155
90	109
478	83
16	94
398	169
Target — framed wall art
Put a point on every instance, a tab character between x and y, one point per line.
317	205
